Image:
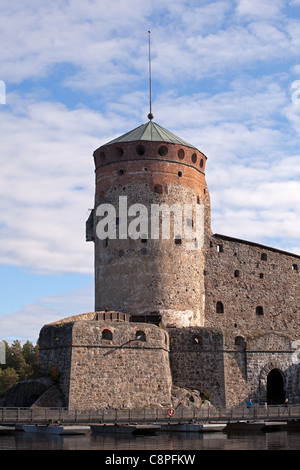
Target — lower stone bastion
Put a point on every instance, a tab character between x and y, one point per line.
107	363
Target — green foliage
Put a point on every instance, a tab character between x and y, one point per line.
8	378
22	362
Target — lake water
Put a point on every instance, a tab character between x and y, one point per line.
170	442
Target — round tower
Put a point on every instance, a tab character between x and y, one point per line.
151	215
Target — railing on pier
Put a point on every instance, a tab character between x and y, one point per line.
12	416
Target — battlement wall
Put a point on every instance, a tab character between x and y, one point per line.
250	287
108	364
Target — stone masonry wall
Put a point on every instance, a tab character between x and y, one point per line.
196	358
258	288
108	366
55	353
149	275
252	293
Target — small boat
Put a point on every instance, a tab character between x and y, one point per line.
55	429
125	429
244	426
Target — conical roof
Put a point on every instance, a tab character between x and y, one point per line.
153	132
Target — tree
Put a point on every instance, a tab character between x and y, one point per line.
8	378
31	356
22	362
15	359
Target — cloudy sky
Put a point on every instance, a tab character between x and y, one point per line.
74	75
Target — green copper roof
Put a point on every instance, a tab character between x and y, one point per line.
150	131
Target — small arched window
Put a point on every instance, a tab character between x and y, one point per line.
240	343
140	335
107	334
220	307
264	257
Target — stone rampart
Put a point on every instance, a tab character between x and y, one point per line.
108	364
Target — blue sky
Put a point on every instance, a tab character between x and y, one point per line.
76	76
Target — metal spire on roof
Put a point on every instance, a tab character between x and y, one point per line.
150	115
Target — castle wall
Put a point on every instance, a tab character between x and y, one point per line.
247	368
55	354
259	287
197	361
252	294
229	376
110	369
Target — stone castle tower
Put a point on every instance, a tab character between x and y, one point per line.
155	174
175	304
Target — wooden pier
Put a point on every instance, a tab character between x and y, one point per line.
160	416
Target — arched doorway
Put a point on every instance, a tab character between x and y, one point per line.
275	387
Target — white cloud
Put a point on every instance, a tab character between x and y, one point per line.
26	323
47	185
106	44
220	77
47	160
266	9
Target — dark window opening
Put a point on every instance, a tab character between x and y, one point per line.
140	335
121	172
163	150
197	340
194	157
178	240
295	267
259	310
119	151
261	275
181	154
239	342
154	318
236	273
264	257
201	163
179	173
220	307
158	188
220	248
140	150
107	334
121	253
